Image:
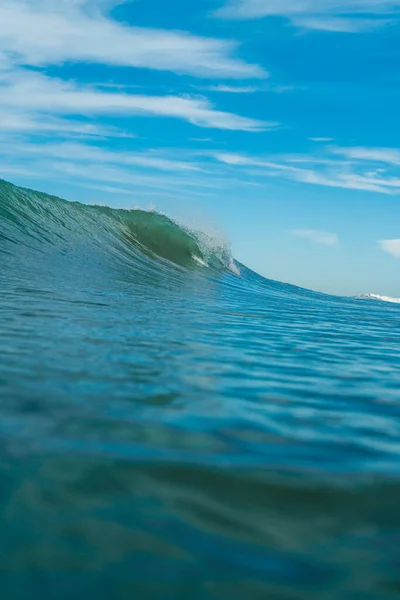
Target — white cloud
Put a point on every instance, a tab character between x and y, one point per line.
384	155
31	93
142	196
48	32
344	180
121	175
250	89
325	172
392	247
339	24
321	139
8	170
174	173
241	160
87	153
42	125
84	173
324	238
37	34
332	15
232	89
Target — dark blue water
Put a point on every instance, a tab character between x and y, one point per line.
174	426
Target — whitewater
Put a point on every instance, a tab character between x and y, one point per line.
173	425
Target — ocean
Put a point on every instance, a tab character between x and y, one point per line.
175	426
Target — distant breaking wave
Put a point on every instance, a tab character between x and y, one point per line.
381	298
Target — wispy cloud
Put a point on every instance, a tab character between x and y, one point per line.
330	15
230	158
78	115
44	33
390	156
32	93
273	88
320	139
321	170
392	247
168	172
324	238
339	24
88	153
345	180
232	89
91	173
12	121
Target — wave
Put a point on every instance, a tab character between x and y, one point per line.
32	217
379	297
40	225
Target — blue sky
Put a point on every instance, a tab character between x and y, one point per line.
275	119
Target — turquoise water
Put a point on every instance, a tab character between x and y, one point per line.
172	425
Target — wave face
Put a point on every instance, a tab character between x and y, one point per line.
173	425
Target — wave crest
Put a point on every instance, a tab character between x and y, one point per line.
381	298
48	220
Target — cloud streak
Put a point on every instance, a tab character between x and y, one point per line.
323	238
171	173
389	156
45	33
232	89
35	106
321	170
339	24
31	94
329	15
89	153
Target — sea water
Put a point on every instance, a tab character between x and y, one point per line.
174	426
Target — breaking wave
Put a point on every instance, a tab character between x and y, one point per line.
381	298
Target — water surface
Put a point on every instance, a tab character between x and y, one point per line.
172	425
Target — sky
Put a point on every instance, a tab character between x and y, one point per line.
276	121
